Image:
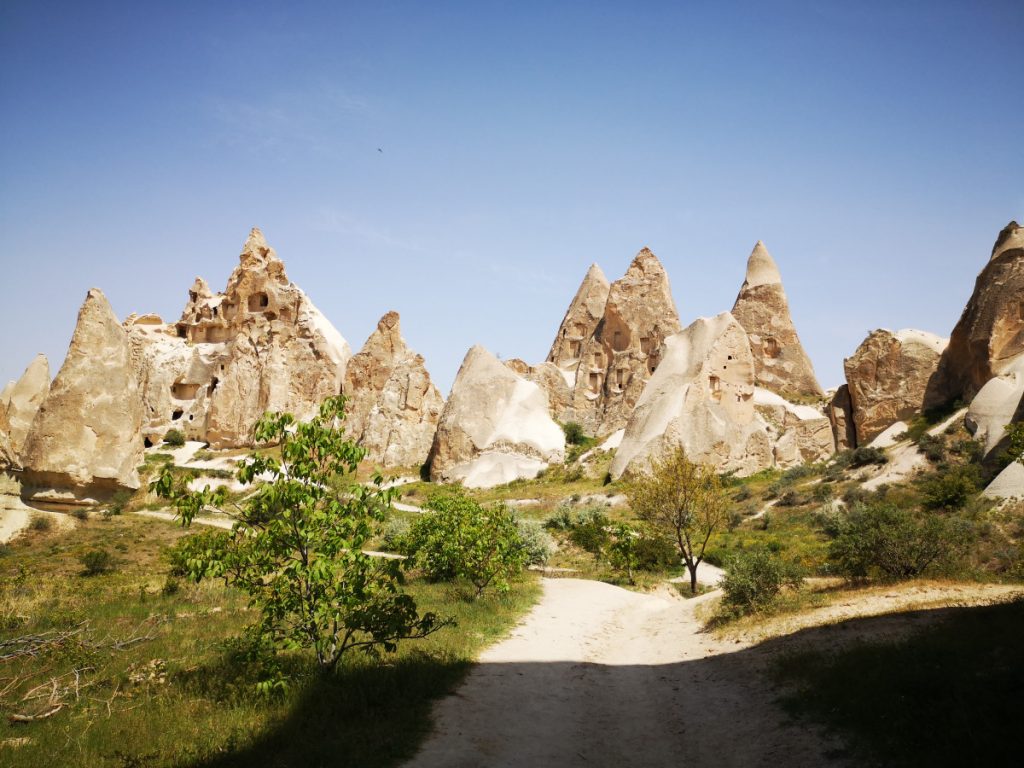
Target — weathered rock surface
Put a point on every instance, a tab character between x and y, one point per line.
553	380
888	376
496	426
989	336
701	397
996	405
780	363
798	434
84	442
19	404
392	408
259	346
840	415
608	366
1008	484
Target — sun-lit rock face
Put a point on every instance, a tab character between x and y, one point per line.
259	346
607	363
989	337
888	376
780	362
84	442
840	415
700	397
392	406
19	403
496	426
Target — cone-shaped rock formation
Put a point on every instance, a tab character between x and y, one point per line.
20	402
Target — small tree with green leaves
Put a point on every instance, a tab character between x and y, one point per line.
686	501
623	551
296	545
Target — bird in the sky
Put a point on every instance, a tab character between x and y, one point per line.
380	150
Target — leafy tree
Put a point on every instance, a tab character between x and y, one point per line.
174	438
296	545
686	501
623	551
754	579
951	489
459	538
574	434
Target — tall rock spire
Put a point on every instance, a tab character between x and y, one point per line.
21	401
780	362
580	319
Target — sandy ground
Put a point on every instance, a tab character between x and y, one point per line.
600	676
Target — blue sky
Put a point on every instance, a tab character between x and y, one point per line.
875	147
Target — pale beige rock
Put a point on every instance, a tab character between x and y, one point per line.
989	336
392	406
1008	484
840	415
608	368
496	426
85	441
780	362
552	380
888	377
996	405
700	397
20	403
260	346
799	434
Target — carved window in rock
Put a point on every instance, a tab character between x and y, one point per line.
621	377
574	348
229	310
771	347
183	391
715	384
1020	310
258	302
595	382
645	344
578	329
620	340
598	360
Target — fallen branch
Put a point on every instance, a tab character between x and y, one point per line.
18	718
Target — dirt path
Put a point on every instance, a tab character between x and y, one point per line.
600	676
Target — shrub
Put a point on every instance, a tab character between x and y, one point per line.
563	519
753	579
823	492
862	457
537	543
394	534
174	438
952	489
40	523
590	531
118	503
790	499
655	552
96	561
933	447
894	542
574	434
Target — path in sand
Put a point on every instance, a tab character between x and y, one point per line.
600	676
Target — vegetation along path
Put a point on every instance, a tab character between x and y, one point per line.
599	675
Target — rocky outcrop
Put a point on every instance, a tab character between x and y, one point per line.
888	377
84	442
555	381
495	427
780	363
259	346
840	415
700	397
989	336
608	366
997	404
392	407
19	404
798	434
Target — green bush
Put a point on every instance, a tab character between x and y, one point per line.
883	539
40	523
754	578
174	438
790	499
933	447
590	531
951	489
537	543
823	492
394	533
655	552
862	457
574	434
96	561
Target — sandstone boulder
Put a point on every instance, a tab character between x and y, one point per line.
1008	484
84	442
496	426
888	377
700	397
989	336
608	363
392	406
996	405
780	363
259	346
20	402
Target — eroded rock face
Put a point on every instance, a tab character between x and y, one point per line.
259	346
608	363
840	415
555	381
780	363
496	426
989	336
84	442
19	404
798	434
701	397
393	407
996	405
888	377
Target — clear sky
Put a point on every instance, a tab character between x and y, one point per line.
874	146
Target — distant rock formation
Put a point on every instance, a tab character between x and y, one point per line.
780	363
495	427
700	397
392	406
19	403
84	442
840	415
798	434
553	380
888	376
260	346
607	363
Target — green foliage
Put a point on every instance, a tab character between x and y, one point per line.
754	578
574	434
790	499
590	531
174	438
40	523
622	550
394	534
458	538
118	503
950	489
96	561
933	447
862	457
894	542
537	542
296	546
1015	442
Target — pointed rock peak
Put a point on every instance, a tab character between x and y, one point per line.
1010	238
256	242
389	322
96	302
38	368
200	290
644	264
256	251
761	268
595	275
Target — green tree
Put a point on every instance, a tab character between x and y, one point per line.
296	545
686	501
755	578
459	538
623	552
